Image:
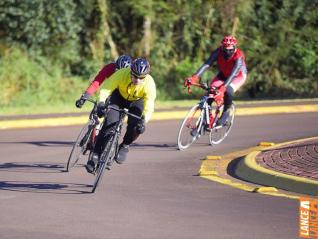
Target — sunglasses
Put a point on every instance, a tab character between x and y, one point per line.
228	50
138	77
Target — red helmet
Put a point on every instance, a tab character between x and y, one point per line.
229	41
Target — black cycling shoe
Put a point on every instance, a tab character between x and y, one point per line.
194	132
91	163
223	119
122	153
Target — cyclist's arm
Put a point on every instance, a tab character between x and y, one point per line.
149	100
111	84
103	74
208	63
238	66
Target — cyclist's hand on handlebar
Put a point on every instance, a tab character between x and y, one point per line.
80	102
193	79
187	82
101	109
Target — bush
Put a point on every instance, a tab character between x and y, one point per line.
27	82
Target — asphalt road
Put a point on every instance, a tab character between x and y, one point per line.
155	194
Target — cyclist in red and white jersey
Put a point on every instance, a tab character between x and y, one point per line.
232	71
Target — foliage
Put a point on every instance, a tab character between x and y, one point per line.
47	47
27	83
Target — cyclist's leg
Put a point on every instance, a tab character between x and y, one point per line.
237	82
132	132
116	101
217	81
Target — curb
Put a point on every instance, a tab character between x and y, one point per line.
249	170
214	168
165	115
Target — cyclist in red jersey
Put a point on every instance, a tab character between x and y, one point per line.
232	72
122	61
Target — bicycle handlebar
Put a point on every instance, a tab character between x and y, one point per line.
124	111
92	101
202	86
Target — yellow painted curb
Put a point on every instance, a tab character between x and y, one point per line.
266	144
265	189
210	169
165	115
33	123
276	109
210	157
249	170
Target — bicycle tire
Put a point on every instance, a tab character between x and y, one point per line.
218	134
79	146
190	127
104	159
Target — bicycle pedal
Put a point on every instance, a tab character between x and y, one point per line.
218	127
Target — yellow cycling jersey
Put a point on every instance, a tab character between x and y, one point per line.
121	80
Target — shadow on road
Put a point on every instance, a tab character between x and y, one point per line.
40	187
44	143
35	187
231	170
154	146
32	167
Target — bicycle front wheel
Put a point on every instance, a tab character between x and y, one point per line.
106	157
79	146
219	133
190	127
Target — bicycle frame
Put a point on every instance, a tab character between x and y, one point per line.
203	117
93	122
111	147
85	140
211	95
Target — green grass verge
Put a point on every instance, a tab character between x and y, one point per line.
160	105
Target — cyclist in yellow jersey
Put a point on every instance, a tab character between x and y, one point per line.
132	88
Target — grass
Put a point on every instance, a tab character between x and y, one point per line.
160	105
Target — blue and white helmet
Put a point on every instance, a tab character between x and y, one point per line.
123	61
140	67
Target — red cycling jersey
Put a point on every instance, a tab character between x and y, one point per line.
104	73
226	66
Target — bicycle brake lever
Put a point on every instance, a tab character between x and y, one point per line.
189	90
204	86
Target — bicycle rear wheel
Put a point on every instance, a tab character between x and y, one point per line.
190	127
79	146
106	157
219	133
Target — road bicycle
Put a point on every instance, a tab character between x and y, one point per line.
203	118
85	141
111	149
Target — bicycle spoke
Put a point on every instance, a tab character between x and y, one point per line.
106	158
219	133
190	128
79	146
